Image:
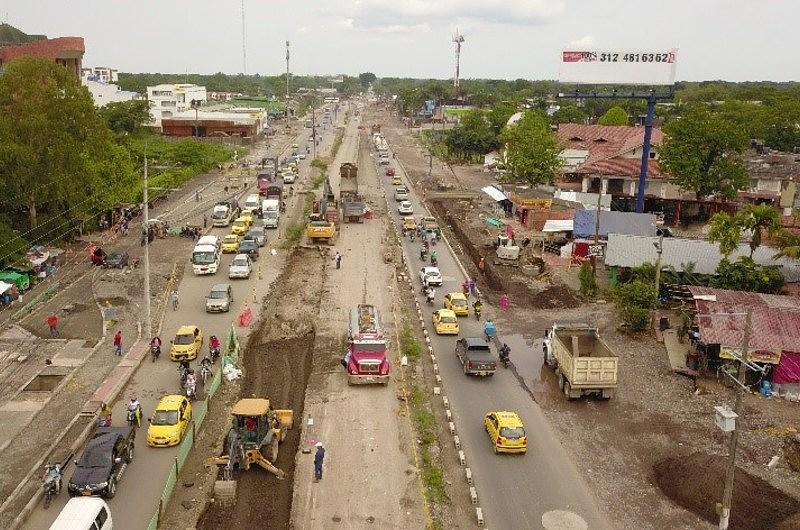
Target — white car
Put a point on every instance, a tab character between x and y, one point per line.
405	208
432	274
289	177
302	156
401	193
241	266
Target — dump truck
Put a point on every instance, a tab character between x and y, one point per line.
353	205
366	361
254	439
582	360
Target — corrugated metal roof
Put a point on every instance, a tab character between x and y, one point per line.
494	193
640	224
633	251
775	319
558	225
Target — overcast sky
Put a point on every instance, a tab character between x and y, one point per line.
717	39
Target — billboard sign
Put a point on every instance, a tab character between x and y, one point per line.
618	67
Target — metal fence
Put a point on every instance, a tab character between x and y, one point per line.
199	412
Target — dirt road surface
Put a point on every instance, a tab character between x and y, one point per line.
139	490
369	477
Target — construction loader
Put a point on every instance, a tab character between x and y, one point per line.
257	431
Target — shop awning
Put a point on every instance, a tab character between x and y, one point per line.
494	193
558	225
5	287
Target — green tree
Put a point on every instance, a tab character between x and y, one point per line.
366	78
473	136
746	275
126	117
614	116
587	279
499	114
532	150
727	229
788	244
782	136
53	138
634	301
702	153
569	114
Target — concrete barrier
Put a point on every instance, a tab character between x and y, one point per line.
468	474
452	427
479	516
473	495
457	442
462	458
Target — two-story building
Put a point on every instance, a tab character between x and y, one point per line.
100	83
66	51
169	100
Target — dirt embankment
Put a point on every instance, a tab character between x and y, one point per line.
277	363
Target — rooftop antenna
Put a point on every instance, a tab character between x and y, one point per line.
458	38
244	47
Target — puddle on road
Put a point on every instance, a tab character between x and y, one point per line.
526	354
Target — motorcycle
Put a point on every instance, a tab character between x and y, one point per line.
213	354
434	260
191	388
155	351
205	372
505	353
184	372
489	330
51	486
477	310
429	298
134	417
423	254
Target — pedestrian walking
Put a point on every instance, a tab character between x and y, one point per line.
118	343
318	459
504	303
52	322
125	227
197	196
173	296
104	419
338	259
482	265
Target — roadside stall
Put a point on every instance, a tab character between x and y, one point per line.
8	293
20	280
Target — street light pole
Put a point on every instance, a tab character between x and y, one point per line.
146	212
725	513
313	130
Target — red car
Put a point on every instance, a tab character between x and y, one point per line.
389	171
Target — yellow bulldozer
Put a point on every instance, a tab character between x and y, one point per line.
257	431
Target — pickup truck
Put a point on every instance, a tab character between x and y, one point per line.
103	462
475	356
583	362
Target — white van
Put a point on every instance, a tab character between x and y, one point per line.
84	513
270	212
252	202
206	259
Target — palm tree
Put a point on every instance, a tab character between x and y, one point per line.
756	219
725	230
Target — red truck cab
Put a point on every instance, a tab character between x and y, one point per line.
366	361
264	180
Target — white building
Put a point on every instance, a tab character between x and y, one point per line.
168	100
100	83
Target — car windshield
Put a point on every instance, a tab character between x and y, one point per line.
203	258
218	295
459	302
271	215
229	239
183	340
96	458
165	417
512	433
448	319
239	223
220	214
241	262
430	273
362	347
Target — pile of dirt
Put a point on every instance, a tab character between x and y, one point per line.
696	482
277	364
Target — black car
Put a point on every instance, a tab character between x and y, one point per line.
475	356
116	260
249	246
103	462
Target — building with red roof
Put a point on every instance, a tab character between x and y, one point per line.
66	51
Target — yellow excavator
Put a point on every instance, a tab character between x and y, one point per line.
257	431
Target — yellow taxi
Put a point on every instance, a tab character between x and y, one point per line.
169	421
397	180
187	343
240	226
409	223
445	322
457	303
248	216
506	432
230	244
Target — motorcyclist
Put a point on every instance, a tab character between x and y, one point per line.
505	353
184	369
191	383
434	258
136	407
214	347
205	366
52	474
423	253
477	307
489	329
430	294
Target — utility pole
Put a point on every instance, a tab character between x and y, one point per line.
287	80
659	250
597	229
146	213
725	513
244	47
314	130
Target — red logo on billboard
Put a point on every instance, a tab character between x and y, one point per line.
578	57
